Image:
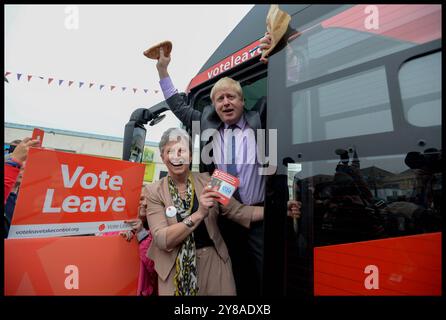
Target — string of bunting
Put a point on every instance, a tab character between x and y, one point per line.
79	84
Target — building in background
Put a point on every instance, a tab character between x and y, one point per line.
90	144
95	145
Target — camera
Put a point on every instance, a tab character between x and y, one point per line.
429	160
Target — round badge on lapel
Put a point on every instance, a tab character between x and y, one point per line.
171	211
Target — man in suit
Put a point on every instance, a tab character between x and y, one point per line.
236	154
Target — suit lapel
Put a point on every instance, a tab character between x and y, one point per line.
253	119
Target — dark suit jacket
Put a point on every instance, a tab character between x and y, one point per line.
209	119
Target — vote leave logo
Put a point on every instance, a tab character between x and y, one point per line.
101	227
86	181
60	187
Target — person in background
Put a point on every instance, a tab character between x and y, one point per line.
12	198
14	162
148	279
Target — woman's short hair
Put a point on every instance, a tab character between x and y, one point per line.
225	83
174	134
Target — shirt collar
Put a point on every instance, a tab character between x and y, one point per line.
240	124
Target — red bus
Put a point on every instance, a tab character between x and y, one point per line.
356	102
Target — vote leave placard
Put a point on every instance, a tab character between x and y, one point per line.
71	194
107	265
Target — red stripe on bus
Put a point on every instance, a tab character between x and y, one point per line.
400	266
241	56
412	23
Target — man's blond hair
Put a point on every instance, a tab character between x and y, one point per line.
226	83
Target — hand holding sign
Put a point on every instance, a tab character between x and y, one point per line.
208	198
20	152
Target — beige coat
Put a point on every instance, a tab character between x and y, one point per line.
157	198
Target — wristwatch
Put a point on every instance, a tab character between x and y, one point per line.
188	222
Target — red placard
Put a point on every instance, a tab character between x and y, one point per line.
71	266
38	135
71	194
390	267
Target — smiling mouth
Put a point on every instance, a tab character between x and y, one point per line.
178	163
228	110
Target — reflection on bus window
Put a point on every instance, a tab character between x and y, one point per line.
346	107
358	199
356	35
420	82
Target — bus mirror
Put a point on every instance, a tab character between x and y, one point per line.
135	133
157	120
134	139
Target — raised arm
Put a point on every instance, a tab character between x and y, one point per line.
177	103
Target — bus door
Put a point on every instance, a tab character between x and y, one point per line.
356	102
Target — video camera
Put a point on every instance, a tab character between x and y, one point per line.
429	160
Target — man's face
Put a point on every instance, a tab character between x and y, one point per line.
228	105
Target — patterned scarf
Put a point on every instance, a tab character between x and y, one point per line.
185	279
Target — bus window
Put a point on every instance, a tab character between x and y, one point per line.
346	107
368	198
353	35
420	82
253	90
202	102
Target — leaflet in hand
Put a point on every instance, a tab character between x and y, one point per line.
224	184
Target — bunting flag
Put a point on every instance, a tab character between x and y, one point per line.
81	83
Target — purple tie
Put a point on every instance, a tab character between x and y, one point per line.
232	167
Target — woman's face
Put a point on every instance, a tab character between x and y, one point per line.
176	157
